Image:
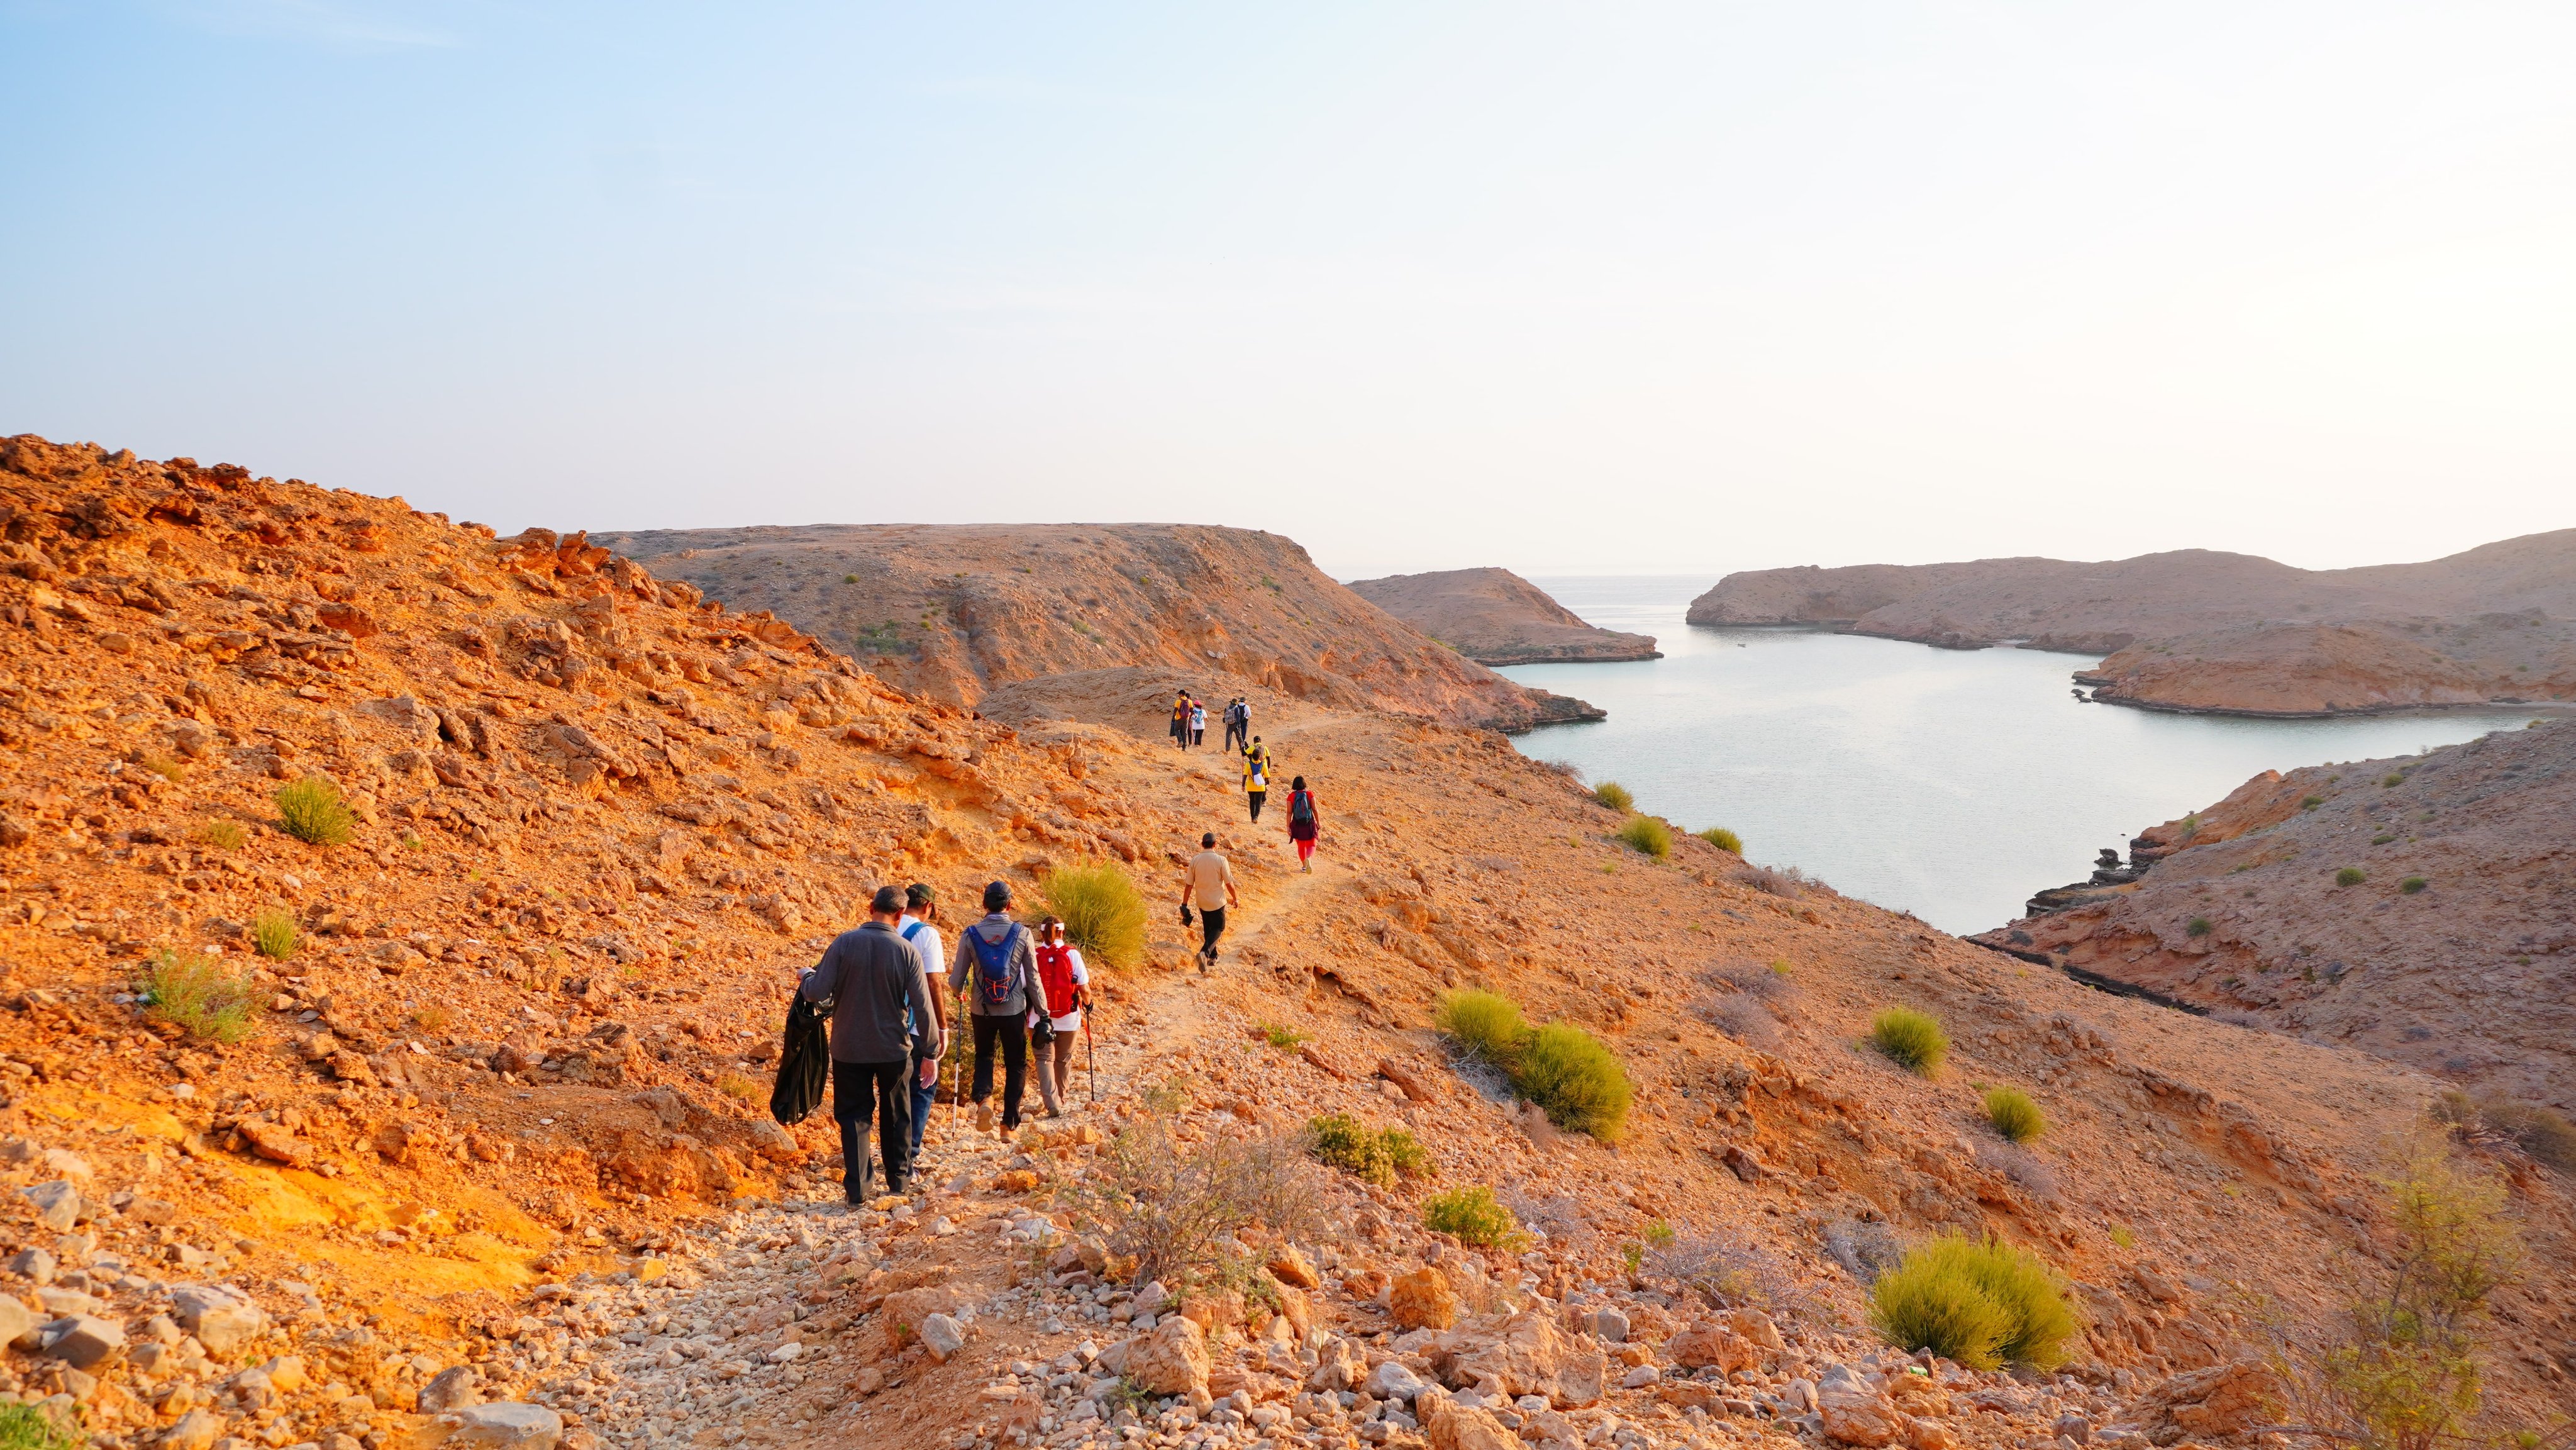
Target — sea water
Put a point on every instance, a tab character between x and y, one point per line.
1948	783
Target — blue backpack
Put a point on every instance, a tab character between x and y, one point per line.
993	965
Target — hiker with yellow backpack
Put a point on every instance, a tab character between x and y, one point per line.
1256	776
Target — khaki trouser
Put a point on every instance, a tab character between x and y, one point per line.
1055	1070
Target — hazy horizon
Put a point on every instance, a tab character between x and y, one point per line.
1652	290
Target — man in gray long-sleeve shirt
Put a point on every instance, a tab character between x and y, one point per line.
1001	1001
873	978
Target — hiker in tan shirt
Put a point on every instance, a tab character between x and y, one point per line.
1208	884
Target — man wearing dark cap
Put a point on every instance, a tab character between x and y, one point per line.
883	1019
920	926
997	969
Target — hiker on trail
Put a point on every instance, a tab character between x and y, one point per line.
1208	883
1302	823
1238	723
1256	776
921	909
1181	720
1198	723
1068	986
875	985
1000	962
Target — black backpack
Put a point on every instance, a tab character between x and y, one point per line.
805	1067
1301	809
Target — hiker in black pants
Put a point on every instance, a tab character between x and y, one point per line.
1238	723
1000	962
1208	884
873	979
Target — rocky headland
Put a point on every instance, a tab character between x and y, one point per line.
954	611
1496	617
444	1126
2200	631
2422	908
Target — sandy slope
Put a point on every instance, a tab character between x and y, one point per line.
955	611
498	1114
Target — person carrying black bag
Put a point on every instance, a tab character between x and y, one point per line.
873	978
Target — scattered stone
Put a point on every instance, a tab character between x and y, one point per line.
1173	1360
219	1318
57	1204
506	1425
941	1335
1423	1300
451	1389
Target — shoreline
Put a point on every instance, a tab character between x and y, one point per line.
2358	712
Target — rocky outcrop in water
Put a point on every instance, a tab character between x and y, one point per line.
1496	617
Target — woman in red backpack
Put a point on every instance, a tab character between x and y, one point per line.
1067	983
1302	822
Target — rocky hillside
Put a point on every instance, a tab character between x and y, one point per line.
1496	617
2421	908
449	1131
2201	631
952	612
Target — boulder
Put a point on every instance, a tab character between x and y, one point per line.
1640	1377
1712	1346
1526	1355
1290	1267
1448	1426
57	1204
220	1318
277	1143
451	1389
1338	1366
505	1425
1756	1326
1853	1410
941	1335
83	1340
1173	1360
1392	1380
195	1430
15	1318
34	1265
2208	1404
1607	1325
1423	1300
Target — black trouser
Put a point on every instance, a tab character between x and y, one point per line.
861	1090
1211	926
1256	797
1013	1032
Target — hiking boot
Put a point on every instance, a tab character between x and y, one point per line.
983	1117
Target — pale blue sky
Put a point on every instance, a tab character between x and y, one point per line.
1574	289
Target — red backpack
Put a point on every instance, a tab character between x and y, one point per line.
1055	969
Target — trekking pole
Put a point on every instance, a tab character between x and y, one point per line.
1091	1056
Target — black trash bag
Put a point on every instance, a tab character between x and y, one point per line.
805	1068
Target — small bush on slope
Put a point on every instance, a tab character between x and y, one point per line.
2014	1115
1911	1039
1723	839
1982	1304
198	996
1104	913
1576	1079
1375	1154
1486	1024
1614	795
1473	1217
1647	834
311	811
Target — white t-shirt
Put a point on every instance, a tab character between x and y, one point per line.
926	945
1072	1021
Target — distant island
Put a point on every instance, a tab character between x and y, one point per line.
1496	617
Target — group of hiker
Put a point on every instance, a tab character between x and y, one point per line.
1019	986
1189	721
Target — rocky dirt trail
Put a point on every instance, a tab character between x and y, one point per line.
478	1155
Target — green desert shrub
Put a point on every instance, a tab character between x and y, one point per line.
2014	1115
1473	1217
1485	1023
1614	795
222	835
1723	839
1375	1154
311	810
196	995
2198	926
1648	834
24	1427
1104	913
1577	1080
1913	1040
2392	779
1981	1304
2312	802
2350	876
2412	884
273	932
